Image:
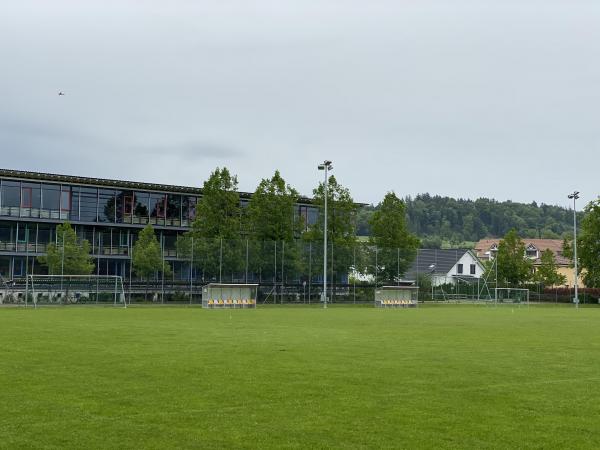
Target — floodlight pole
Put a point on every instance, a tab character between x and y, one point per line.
574	196
326	166
496	289
62	264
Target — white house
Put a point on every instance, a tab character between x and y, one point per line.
446	266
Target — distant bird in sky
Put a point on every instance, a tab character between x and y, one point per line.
61	93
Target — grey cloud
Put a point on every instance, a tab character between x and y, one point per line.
463	98
192	151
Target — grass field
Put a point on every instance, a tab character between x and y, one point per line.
292	377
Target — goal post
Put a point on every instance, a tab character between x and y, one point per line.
511	296
75	289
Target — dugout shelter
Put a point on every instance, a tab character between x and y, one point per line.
401	296
222	295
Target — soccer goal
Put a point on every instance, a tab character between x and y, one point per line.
396	297
511	296
75	289
219	295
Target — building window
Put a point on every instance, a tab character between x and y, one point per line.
472	269
106	205
26	197
65	200
74	214
141	207
124	209
30	200
174	209
11	198
157	206
192	210
128	205
88	204
459	268
531	252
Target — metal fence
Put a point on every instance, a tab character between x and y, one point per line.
286	272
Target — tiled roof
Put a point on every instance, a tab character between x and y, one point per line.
556	245
442	261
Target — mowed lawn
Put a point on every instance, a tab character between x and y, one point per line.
294	377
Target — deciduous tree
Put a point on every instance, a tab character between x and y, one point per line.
389	232
147	256
588	245
69	255
271	211
273	226
514	267
216	231
218	212
547	272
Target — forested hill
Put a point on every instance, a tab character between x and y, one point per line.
459	220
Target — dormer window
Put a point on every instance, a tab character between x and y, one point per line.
531	251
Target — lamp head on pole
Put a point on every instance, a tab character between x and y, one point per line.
574	195
325	164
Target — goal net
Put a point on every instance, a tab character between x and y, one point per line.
75	289
511	296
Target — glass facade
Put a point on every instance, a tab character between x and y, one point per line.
88	204
106	205
10	200
95	205
157	209
50	201
108	218
141	206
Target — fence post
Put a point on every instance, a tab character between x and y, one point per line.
355	271
376	267
62	267
162	278
130	262
192	271
98	266
221	261
309	270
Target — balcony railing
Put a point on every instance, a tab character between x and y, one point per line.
37	213
15	211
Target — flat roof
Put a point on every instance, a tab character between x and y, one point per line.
123	184
395	288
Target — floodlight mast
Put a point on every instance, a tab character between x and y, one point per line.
574	196
326	166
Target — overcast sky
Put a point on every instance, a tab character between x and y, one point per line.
466	98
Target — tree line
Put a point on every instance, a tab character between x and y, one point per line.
435	219
269	217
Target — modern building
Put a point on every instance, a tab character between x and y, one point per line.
108	213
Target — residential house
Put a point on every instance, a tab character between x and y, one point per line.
446	266
486	250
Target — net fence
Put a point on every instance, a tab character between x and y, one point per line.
286	272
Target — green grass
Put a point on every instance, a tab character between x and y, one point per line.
436	377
